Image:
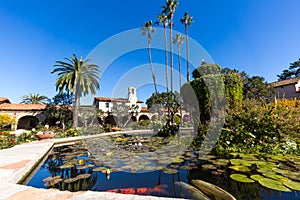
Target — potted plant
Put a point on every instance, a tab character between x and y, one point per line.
45	134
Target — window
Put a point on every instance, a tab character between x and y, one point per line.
107	105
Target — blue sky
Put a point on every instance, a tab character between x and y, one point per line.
255	36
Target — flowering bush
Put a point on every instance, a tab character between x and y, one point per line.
261	127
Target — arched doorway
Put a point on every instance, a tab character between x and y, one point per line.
143	117
111	119
27	122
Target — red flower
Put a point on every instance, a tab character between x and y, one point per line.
13	134
0	133
12	142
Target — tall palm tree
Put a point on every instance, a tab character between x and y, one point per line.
187	21
163	19
76	76
34	99
178	39
169	10
148	30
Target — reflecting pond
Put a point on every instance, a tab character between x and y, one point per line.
149	165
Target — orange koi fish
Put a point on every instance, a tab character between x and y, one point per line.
142	190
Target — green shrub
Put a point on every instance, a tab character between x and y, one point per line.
260	127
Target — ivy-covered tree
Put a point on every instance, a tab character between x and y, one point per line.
292	72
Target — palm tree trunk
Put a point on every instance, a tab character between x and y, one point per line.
179	66
151	66
180	81
76	106
166	57
171	51
187	53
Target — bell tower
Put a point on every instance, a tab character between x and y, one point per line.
132	95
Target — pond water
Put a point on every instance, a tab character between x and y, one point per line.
166	167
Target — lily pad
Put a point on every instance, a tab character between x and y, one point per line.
221	162
280	171
292	175
256	177
273	184
293	185
83	176
70	180
170	171
186	167
275	176
240	168
241	178
99	169
208	166
240	162
66	166
50	178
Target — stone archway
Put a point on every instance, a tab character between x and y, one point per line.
154	117
27	122
143	117
111	119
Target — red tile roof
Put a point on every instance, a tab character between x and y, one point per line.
109	99
4	99
286	82
25	107
144	109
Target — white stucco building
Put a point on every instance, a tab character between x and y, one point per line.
106	103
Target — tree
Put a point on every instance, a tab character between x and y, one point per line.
34	99
124	112
292	72
147	30
187	21
76	76
178	40
61	108
169	10
256	87
163	19
6	119
166	100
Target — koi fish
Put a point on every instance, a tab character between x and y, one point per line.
142	190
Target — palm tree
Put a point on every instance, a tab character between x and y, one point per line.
187	21
34	99
163	19
78	77
147	30
169	9
179	40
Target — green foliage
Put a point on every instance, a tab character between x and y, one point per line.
205	92
144	123
257	88
177	119
261	127
60	110
6	120
78	77
292	72
34	99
